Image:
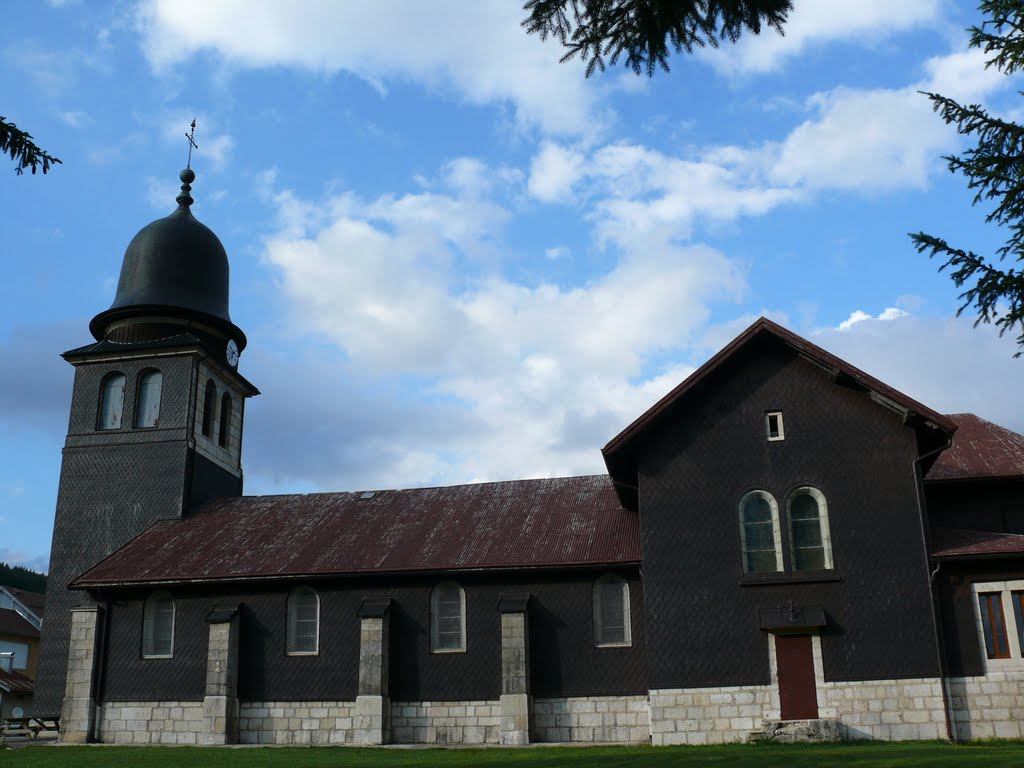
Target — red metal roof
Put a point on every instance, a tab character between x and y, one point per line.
15	682
980	449
955	542
568	521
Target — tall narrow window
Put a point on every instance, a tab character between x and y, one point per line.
147	411
611	612
993	624
808	527
111	401
303	622
158	626
1017	598
759	533
448	619
773	425
224	435
209	404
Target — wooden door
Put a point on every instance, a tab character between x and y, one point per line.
797	691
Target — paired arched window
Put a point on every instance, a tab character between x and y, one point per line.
810	546
611	612
209	406
224	435
759	533
147	410
303	622
158	626
808	530
448	618
111	401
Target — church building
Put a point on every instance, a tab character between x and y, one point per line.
783	547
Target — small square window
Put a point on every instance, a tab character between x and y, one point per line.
773	425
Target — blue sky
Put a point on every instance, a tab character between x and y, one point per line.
457	259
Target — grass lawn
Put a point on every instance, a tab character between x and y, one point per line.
900	755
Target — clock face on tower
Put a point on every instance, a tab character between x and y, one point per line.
231	353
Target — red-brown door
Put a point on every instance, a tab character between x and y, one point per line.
797	695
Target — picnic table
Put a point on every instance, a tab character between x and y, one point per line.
28	726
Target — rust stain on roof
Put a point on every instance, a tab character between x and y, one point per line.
15	682
558	522
980	449
955	542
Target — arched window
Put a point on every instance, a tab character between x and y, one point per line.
303	622
448	618
224	436
147	410
158	626
611	612
759	533
111	401
808	530
209	405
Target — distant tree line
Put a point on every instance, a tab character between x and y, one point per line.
22	578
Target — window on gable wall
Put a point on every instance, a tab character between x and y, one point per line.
448	618
158	626
303	622
773	425
611	612
111	401
808	528
147	411
759	533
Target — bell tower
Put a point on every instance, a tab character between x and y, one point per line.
156	417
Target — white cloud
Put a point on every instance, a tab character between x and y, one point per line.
859	316
554	171
473	52
819	22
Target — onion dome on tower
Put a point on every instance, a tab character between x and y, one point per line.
174	277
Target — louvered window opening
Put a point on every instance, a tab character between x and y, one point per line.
147	413
112	401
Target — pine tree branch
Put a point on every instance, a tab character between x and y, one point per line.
19	145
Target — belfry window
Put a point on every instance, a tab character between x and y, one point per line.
303	622
224	435
111	401
448	619
611	612
808	527
759	533
147	410
209	405
158	626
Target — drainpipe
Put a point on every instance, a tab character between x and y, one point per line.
936	632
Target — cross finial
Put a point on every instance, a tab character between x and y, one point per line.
191	143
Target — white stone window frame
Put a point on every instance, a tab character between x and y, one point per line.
1005	589
826	535
435	625
149	625
768	426
776	530
292	619
627	619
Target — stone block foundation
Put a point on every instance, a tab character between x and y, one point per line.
297	722
592	719
446	722
151	722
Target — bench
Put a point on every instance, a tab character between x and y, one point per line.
28	726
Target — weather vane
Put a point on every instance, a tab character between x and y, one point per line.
191	143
